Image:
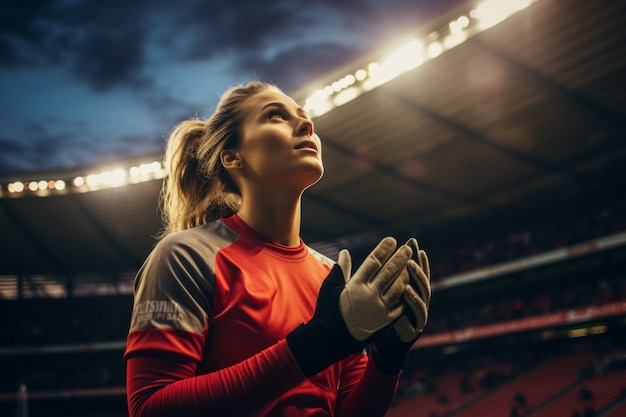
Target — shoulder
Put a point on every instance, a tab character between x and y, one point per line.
203	240
185	260
323	259
190	252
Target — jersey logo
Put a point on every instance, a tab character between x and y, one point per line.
157	311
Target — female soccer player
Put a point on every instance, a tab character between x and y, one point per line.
233	314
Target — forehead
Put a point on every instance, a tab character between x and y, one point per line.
255	103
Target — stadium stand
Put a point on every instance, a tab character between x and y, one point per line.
51	339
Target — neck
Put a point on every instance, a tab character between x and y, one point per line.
275	215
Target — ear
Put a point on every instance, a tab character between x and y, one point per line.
230	159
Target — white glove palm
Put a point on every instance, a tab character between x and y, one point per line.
371	298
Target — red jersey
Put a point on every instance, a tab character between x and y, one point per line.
212	308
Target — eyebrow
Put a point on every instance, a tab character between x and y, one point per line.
299	110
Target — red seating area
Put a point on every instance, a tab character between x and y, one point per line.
447	397
452	390
619	411
537	384
566	385
597	392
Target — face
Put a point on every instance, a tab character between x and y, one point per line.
278	146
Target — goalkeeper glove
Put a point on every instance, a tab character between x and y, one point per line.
389	351
350	311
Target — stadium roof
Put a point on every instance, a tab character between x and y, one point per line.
526	113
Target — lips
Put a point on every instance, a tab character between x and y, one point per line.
307	144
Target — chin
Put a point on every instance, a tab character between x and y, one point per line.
315	181
311	177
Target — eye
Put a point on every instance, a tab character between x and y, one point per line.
276	114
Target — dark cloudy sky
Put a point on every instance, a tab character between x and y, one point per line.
86	81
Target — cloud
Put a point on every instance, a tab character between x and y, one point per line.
59	144
33	154
11	155
23	33
100	43
118	43
106	60
293	67
148	64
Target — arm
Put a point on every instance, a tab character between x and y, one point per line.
166	385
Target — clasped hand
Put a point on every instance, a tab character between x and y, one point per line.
354	310
371	298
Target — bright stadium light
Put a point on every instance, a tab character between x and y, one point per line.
360	74
115	178
78	181
412	55
108	178
434	49
492	12
16	187
405	58
93	180
345	96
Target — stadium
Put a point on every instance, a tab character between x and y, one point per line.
496	137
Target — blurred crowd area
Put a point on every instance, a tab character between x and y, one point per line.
36	321
49	321
74	331
495	241
52	321
523	301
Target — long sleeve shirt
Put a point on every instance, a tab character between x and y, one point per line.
212	308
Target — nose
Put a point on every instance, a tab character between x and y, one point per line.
305	127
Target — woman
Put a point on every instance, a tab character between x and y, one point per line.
234	314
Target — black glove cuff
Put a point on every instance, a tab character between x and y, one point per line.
392	361
311	350
325	339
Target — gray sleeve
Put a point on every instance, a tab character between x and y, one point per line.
173	288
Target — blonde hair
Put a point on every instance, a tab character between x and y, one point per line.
197	189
